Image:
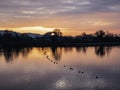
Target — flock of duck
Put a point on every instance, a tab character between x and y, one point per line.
71	68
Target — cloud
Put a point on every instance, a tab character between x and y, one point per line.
57	6
49	10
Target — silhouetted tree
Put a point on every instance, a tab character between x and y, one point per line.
10	38
57	32
83	34
55	35
100	33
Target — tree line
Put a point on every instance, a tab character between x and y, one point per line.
55	38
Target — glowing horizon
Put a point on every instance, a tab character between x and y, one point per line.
33	29
43	30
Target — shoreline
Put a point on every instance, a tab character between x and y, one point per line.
60	45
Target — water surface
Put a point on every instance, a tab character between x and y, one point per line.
60	68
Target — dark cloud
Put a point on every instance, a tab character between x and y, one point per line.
58	6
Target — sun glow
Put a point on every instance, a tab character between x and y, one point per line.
31	29
38	28
35	29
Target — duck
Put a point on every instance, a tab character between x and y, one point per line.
71	68
97	77
82	72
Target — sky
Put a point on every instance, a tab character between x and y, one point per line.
71	16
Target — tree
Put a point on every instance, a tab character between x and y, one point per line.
83	34
57	32
100	33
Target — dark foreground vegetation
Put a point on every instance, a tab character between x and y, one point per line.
55	38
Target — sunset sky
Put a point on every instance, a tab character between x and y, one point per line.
71	16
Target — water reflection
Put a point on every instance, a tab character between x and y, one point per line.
56	52
83	49
102	50
11	54
79	68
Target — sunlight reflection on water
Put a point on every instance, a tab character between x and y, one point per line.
60	84
52	68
